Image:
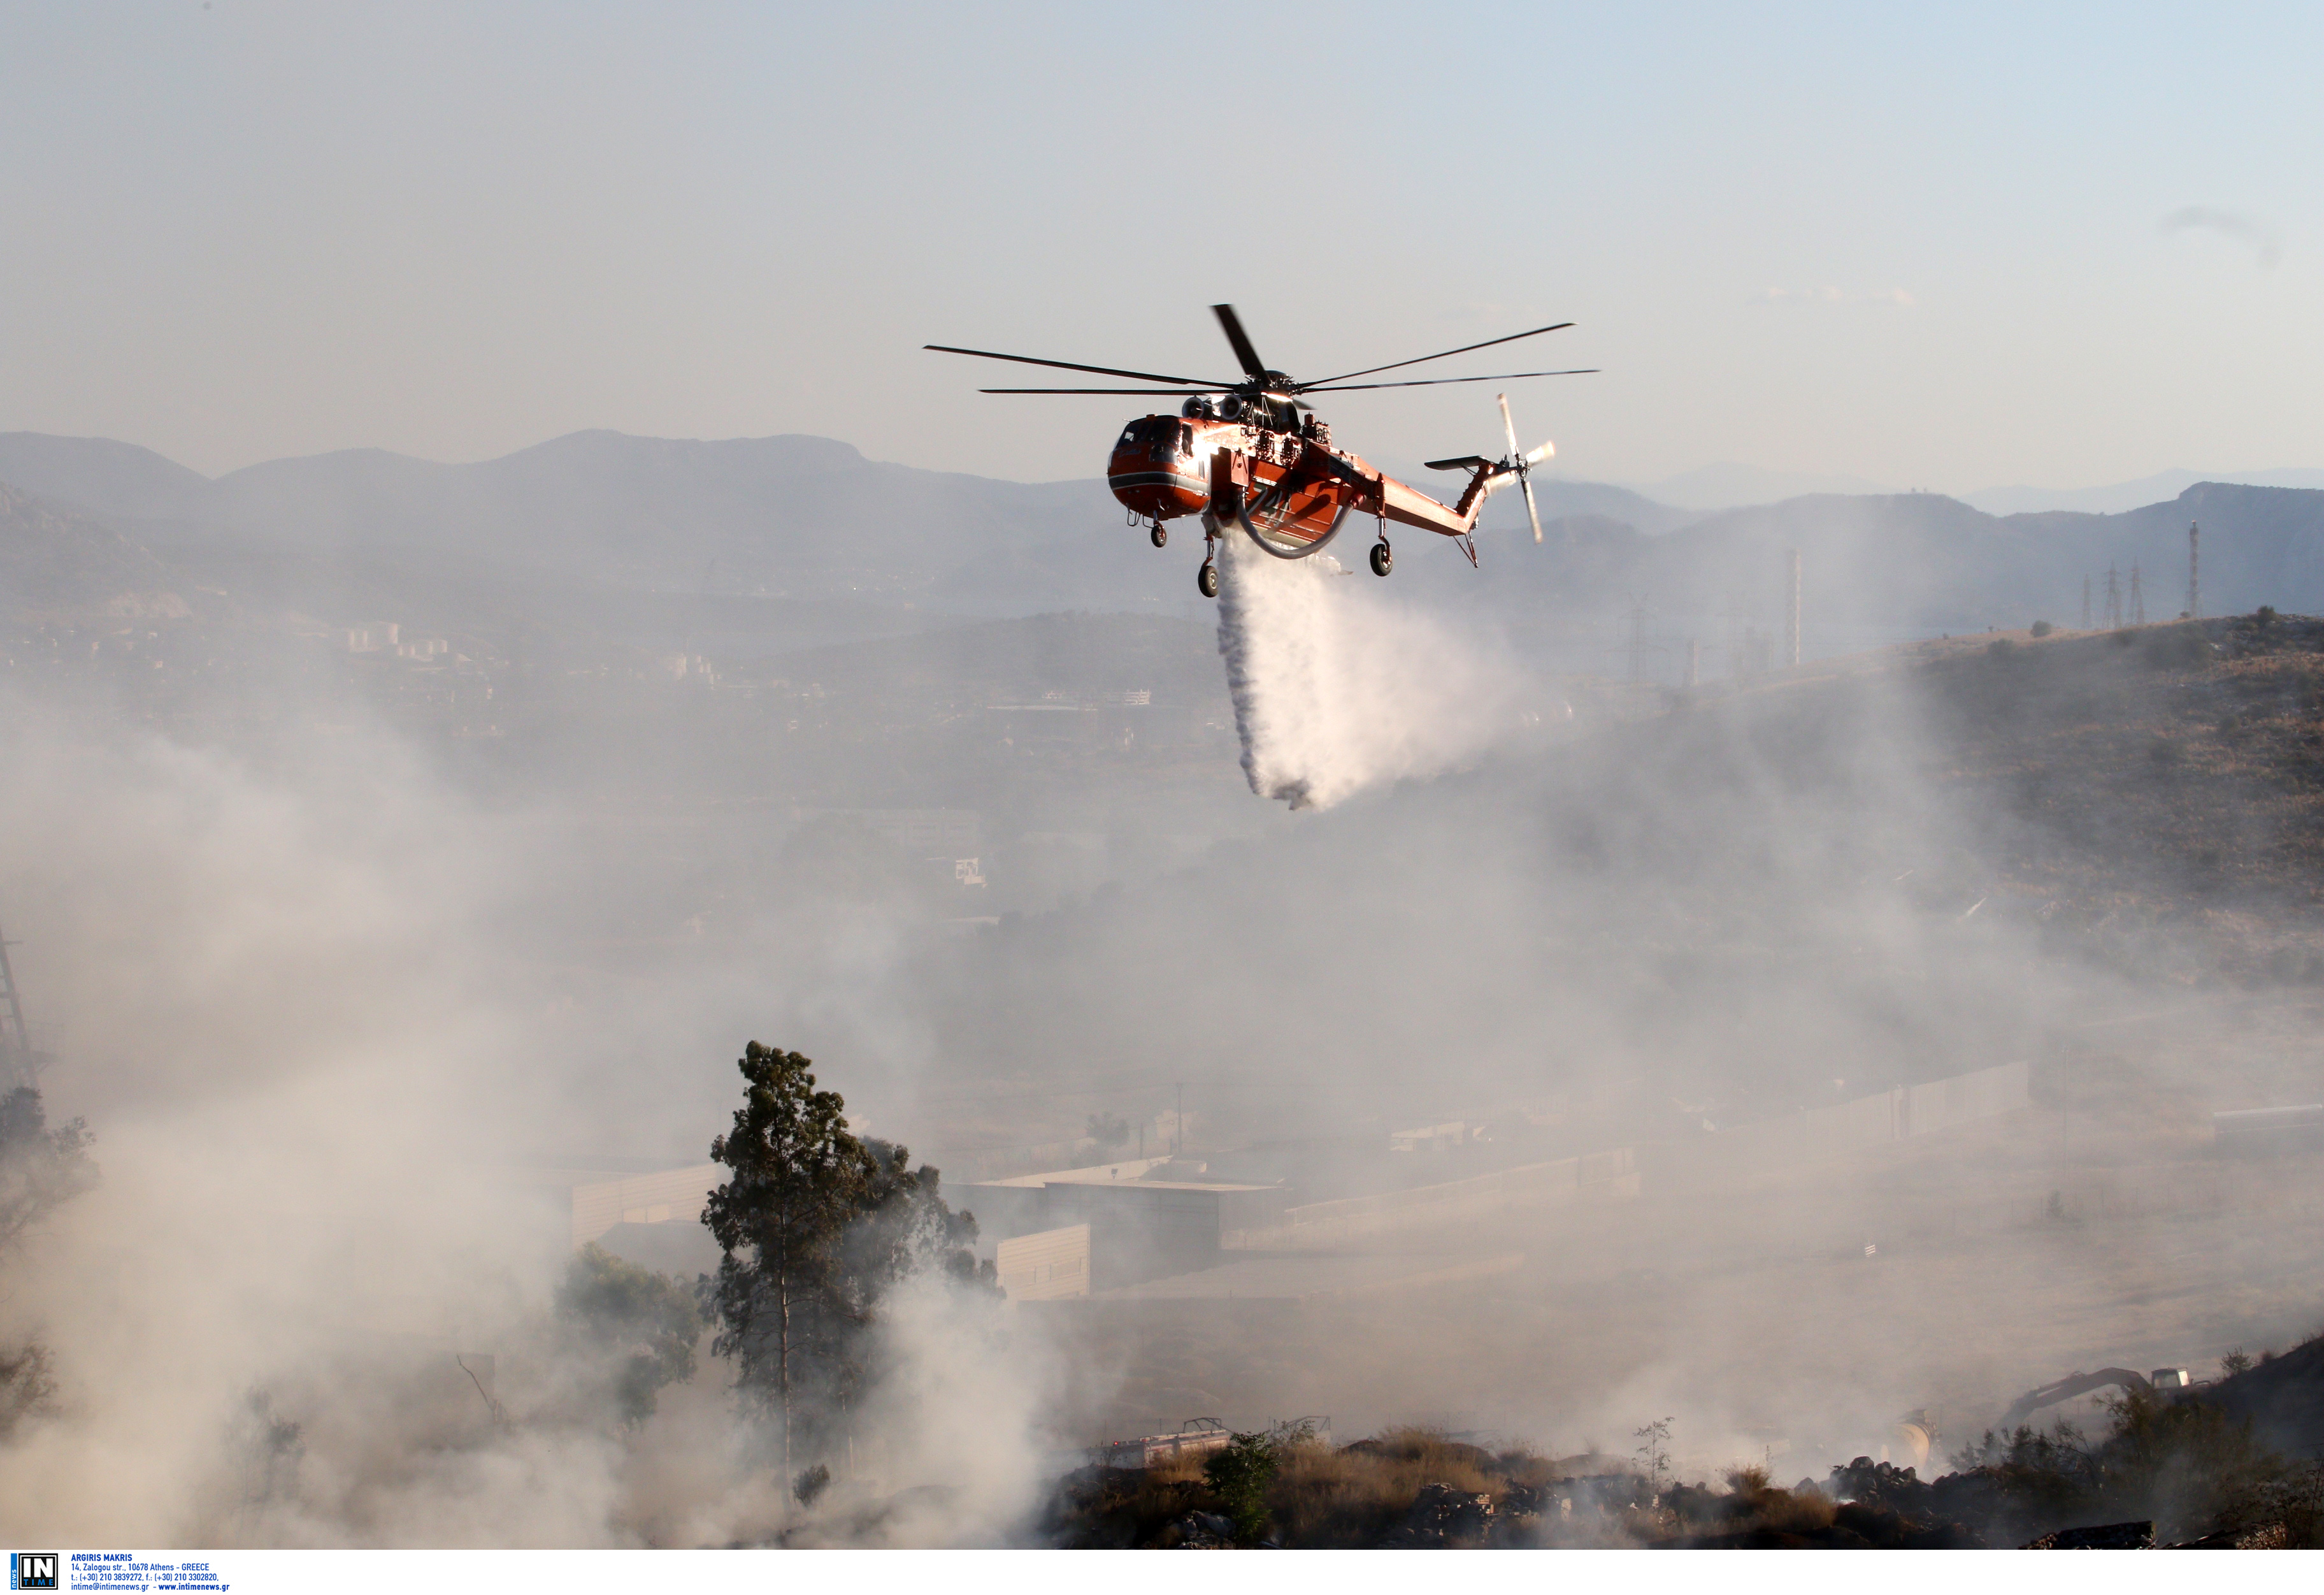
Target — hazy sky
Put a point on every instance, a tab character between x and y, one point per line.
1944	247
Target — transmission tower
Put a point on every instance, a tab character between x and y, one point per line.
1733	619
19	1066
2086	603
2137	597
2114	599
1636	649
1792	615
2194	570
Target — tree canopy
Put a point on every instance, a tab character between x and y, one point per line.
40	1167
817	1226
799	1177
643	1322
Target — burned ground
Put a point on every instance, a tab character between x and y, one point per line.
2161	1475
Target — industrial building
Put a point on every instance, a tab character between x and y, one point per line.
1146	1217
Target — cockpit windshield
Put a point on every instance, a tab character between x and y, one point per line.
1165	433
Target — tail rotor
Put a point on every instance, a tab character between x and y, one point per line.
1522	464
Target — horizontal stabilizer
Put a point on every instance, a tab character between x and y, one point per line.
1466	462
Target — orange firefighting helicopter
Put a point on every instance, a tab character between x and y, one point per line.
1240	454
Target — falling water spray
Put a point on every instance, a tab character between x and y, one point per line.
1338	688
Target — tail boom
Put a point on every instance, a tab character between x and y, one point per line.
1409	506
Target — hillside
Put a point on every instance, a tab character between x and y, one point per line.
1905	562
783	518
55	560
752	546
2281	1397
806	519
104	477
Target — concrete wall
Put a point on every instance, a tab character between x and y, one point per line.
1049	1266
1943	1104
1360	1220
1776	1145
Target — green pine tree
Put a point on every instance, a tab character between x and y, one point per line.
799	1178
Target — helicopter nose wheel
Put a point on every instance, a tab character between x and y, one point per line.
1383	560
1161	535
1207	579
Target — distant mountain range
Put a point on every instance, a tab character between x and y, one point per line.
1729	486
795	541
1905	564
783	518
2123	495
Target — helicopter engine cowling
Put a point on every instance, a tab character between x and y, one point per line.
1157	469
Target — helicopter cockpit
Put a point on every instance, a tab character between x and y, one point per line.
1160	436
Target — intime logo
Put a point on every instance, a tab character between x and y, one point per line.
31	1569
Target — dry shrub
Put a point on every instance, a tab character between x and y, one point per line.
1526	1469
1431	1457
1184	1468
1753	1502
1786	1512
1356	1495
1121	1507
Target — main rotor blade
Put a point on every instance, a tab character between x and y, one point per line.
1148	393
1422	359
1508	427
1526	482
1231	324
1433	381
945	348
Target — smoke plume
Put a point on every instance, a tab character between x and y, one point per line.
314	1013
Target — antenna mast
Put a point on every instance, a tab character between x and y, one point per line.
16	1058
1792	620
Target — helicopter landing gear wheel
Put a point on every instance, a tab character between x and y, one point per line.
1161	535
1383	561
1207	579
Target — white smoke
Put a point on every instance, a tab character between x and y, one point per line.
956	1455
303	1008
1337	688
